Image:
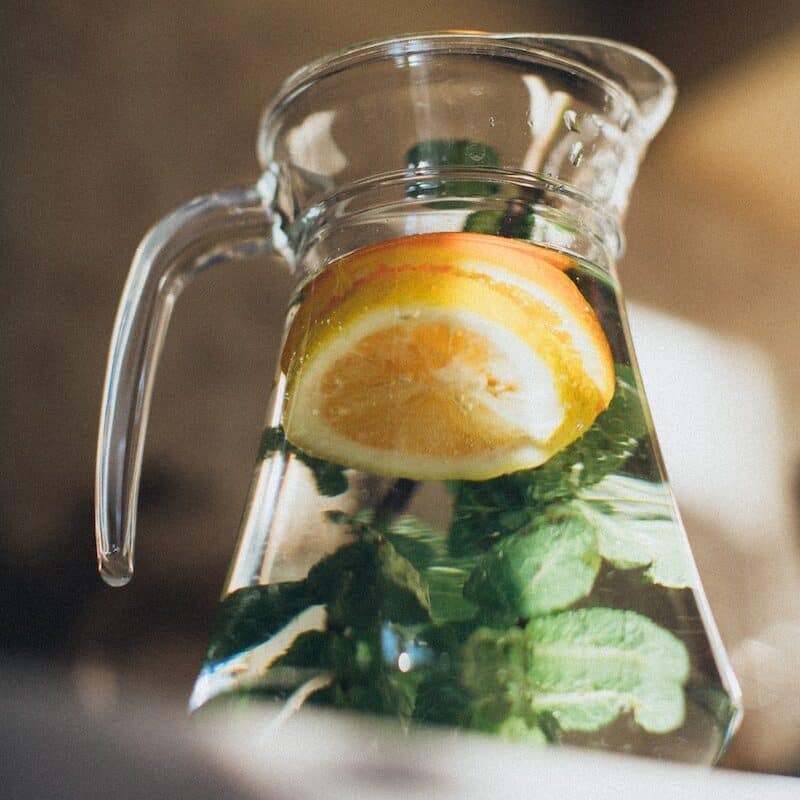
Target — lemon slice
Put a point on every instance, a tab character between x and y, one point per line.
444	356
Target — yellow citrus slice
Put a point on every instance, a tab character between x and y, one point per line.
444	356
338	280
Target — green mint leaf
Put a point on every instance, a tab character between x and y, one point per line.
252	615
360	584
445	575
415	540
484	512
442	700
484	222
588	665
369	580
543	569
496	223
437	153
426	549
446	588
307	652
518	729
494	669
330	478
451	152
361	679
580	669
634	522
369	590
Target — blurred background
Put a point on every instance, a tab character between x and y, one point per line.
113	114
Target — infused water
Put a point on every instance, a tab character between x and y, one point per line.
460	517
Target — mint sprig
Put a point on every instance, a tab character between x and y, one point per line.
443	574
553	561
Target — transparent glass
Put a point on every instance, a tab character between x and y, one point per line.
459	515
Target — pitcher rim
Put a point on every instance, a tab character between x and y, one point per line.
534	45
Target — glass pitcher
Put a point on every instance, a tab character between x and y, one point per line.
458	515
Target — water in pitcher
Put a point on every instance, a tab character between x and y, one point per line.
468	521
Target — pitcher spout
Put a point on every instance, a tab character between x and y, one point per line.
592	127
648	84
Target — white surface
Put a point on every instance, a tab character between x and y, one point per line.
333	756
716	410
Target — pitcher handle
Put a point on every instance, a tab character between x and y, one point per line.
235	223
